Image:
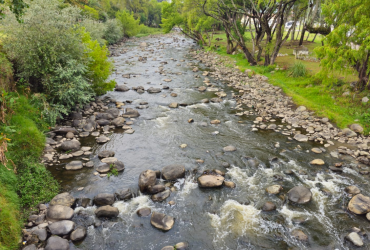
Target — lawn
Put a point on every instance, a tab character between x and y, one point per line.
326	99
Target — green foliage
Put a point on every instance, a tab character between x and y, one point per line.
16	6
91	12
96	29
298	70
6	73
99	67
113	31
130	25
349	42
36	184
68	86
113	171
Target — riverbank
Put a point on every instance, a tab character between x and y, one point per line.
338	101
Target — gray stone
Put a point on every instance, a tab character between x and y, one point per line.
269	206
102	139
168	248
355	239
122	88
173	172
229	148
63	227
156	189
147	178
161	196
274	189
106	154
59	212
118	122
299	235
300	195
30	247
352	190
365	99
107	211
357	128
57	243
104	199
70	145
41	233
124	194
153	90
209	181
348	132
64	199
103	122
162	221
78	234
131	113
301	109
74	165
104	168
144	212
301	137
182	246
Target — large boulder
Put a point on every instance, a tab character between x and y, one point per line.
106	154
103	122
156	189
122	88
301	137
70	145
147	178
64	199
161	196
356	128
41	233
300	195
78	234
173	172
124	194
131	113
144	212
74	165
113	111
59	212
107	211
104	199
153	90
89	126
162	221
118	122
209	181
57	243
63	227
105	116
359	204
65	130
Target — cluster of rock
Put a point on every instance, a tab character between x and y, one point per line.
95	119
52	227
270	104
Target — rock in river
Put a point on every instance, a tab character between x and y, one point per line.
107	211
64	199
173	172
131	113
352	190
161	196
300	137
106	154
104	199
152	90
122	88
317	162
162	221
210	181
274	189
63	227
147	178
78	234
355	239
124	194
359	204
57	243
144	212
299	235
229	148
74	165
102	139
59	212
70	145
300	195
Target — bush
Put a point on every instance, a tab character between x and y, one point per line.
113	31
130	26
96	30
91	12
298	70
6	73
36	184
99	67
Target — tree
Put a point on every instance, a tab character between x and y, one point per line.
348	44
16	6
128	22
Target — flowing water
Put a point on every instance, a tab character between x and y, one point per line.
207	218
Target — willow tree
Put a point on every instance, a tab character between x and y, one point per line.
348	45
188	16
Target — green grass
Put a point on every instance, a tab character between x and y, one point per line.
326	100
30	182
146	31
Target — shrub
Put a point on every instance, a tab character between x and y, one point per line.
113	31
91	12
6	73
130	25
298	70
99	68
96	30
68	86
36	184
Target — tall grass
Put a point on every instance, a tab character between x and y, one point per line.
298	70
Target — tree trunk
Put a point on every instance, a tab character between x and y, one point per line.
313	40
302	35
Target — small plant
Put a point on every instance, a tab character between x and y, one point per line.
298	70
113	171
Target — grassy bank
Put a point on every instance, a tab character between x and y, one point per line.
24	182
326	99
146	31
